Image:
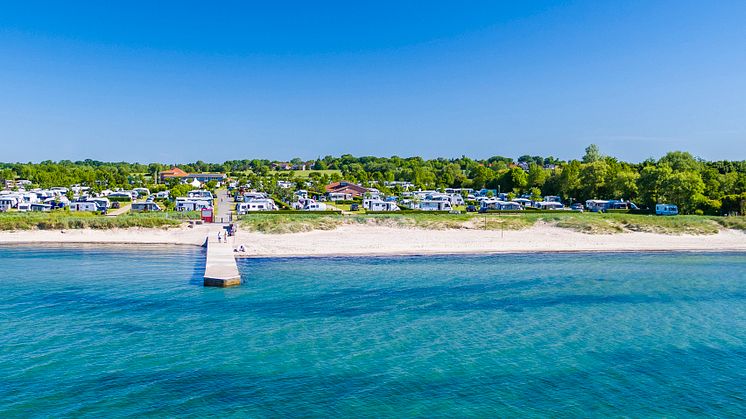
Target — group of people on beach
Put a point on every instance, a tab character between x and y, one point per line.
223	237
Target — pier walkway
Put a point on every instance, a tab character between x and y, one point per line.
221	269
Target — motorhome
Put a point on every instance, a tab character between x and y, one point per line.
435	206
186	204
200	193
511	206
312	205
489	204
379	205
666	209
101	203
8	202
145	207
251	196
492	204
255	205
87	206
339	196
41	207
453	198
596	205
142	191
549	205
621	205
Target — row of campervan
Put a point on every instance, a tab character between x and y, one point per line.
254	201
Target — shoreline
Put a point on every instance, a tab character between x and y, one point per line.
485	253
373	241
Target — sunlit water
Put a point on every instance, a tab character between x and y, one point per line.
118	332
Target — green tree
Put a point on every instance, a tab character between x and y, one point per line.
592	154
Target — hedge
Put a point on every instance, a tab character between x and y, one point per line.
325	212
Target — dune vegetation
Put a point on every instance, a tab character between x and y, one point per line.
61	220
589	223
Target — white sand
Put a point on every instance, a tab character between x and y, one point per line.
184	235
378	240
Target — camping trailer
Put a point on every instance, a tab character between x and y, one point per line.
666	209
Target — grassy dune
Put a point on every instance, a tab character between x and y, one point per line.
588	223
60	220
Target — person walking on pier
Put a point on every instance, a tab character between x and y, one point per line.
218	237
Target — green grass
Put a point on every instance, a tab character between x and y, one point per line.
735	223
289	223
610	223
414	220
307	173
64	220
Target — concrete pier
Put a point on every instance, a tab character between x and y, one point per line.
221	269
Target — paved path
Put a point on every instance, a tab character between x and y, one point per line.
220	265
121	210
224	205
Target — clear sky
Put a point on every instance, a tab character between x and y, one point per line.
181	81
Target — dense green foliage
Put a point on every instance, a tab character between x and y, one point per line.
695	185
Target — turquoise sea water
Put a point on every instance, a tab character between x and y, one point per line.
88	332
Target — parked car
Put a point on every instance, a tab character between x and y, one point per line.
577	207
115	205
471	208
354	207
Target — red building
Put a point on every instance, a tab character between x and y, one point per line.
346	188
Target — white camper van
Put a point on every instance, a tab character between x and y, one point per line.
379	205
435	206
87	206
255	205
314	206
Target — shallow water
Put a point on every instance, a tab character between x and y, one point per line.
117	332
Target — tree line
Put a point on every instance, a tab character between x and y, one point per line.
695	185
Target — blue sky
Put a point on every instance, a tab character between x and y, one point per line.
181	81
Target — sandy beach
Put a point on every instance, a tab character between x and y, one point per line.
379	240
